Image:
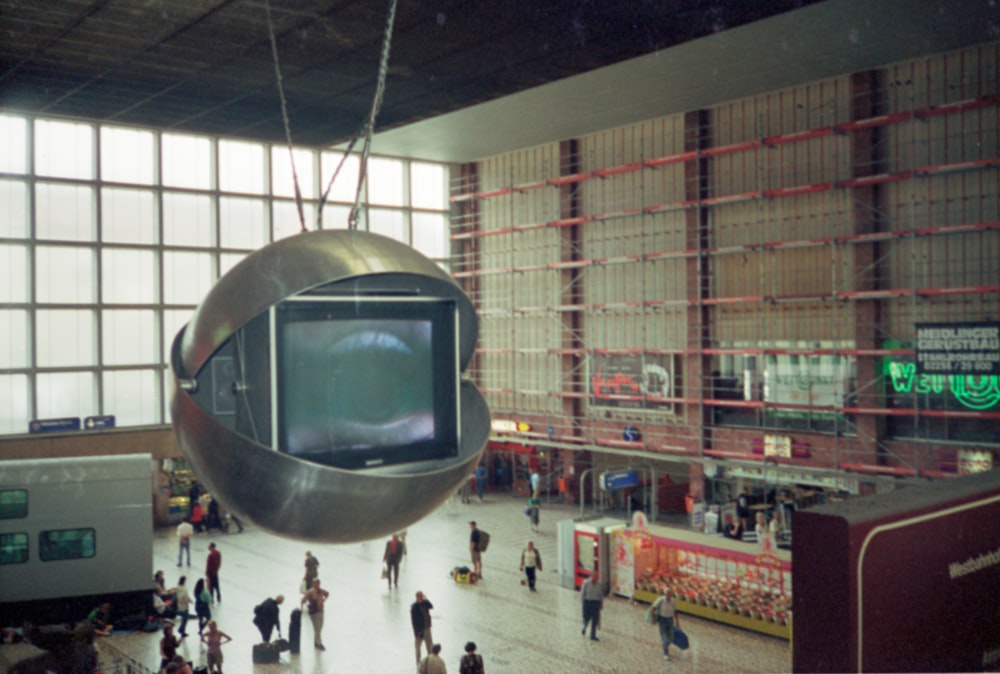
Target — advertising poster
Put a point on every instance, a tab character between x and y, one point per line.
631	381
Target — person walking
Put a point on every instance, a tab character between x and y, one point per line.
214	639
212	566
420	618
480	482
395	549
315	597
183	603
477	555
433	664
534	512
202	604
665	611
184	533
471	662
592	596
531	561
312	571
267	616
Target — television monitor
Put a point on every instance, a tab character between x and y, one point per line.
364	382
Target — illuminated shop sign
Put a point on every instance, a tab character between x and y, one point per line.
976	392
958	348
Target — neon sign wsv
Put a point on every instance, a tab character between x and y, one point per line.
977	392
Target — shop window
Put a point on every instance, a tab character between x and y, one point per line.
13	504
13	548
67	544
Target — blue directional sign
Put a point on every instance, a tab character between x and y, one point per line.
99	422
54	425
620	479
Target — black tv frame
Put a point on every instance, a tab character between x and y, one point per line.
368	312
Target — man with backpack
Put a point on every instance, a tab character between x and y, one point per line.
478	541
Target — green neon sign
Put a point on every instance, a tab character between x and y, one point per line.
977	392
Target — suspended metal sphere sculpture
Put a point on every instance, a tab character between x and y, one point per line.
313	387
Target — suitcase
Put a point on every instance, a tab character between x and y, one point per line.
264	654
294	630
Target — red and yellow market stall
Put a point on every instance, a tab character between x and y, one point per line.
716	578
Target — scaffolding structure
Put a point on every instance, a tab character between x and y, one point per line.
695	286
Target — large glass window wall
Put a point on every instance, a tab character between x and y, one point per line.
110	236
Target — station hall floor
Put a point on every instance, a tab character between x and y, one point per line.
367	626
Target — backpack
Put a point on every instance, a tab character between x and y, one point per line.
472	663
484	540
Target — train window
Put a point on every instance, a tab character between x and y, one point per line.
67	544
13	503
13	548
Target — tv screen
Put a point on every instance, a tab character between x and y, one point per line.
364	382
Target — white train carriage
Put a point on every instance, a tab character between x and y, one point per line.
74	533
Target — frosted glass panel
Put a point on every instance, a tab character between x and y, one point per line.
243	223
133	396
14	397
187	277
385	181
241	167
388	223
229	260
64	149
128	276
430	234
66	394
14	339
127	155
129	336
64	212
13	144
187	220
286	219
13	209
346	183
64	275
65	338
13	273
187	161
428	186
282	182
335	217
128	216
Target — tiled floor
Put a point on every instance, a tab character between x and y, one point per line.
368	627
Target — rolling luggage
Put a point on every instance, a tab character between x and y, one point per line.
294	631
265	654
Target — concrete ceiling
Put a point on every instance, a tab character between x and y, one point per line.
208	66
467	78
819	41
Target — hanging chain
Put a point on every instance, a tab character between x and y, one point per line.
284	116
383	70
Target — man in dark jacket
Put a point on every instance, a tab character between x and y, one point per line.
420	616
266	616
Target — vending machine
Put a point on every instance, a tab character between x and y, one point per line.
591	549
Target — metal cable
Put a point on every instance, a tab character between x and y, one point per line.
284	115
383	70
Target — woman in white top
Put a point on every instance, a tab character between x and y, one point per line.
665	610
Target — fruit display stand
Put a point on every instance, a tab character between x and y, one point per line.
716	578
